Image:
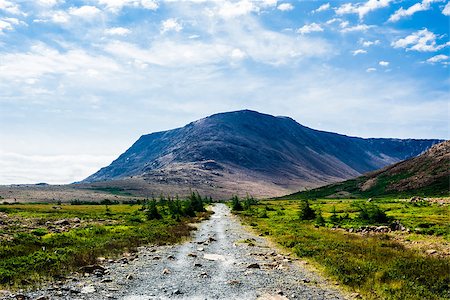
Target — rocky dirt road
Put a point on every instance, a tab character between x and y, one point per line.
223	260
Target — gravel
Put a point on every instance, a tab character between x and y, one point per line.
215	264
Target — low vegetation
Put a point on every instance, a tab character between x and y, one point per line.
44	241
378	265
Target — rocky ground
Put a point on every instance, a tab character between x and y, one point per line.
223	260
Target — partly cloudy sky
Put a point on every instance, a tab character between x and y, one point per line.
80	81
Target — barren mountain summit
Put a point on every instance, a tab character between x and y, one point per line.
246	151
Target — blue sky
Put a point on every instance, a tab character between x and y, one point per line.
80	81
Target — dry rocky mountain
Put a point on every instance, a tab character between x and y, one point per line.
425	175
247	152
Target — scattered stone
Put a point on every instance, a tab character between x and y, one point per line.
213	257
171	257
166	272
200	249
192	255
21	297
177	292
279	292
211	239
156	257
197	265
101	259
90	269
42	298
62	222
204	275
88	289
306	280
234	282
431	251
355	296
106	280
130	277
253	266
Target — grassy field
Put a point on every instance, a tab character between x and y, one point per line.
393	265
39	242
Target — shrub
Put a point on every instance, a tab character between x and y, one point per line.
372	214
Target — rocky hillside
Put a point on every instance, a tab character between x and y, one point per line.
424	175
249	151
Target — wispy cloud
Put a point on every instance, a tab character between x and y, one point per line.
403	13
323	7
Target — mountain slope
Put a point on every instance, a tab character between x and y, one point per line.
232	150
424	175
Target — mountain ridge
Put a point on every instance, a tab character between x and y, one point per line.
255	146
425	175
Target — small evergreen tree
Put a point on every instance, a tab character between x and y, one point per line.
189	209
320	221
236	204
334	218
152	211
305	211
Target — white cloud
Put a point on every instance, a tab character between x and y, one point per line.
48	3
231	9
236	9
171	25
313	27
41	60
150	4
4	26
86	11
10	7
369	43
402	13
437	58
7	24
370	70
238	54
333	20
116	6
323	7
446	10
362	9
59	17
421	40
383	63
359	51
55	169
285	7
118	31
344	24
359	27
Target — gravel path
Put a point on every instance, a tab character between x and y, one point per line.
215	264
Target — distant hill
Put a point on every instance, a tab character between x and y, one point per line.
425	175
246	151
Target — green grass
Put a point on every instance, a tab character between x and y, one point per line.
378	266
438	188
34	253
